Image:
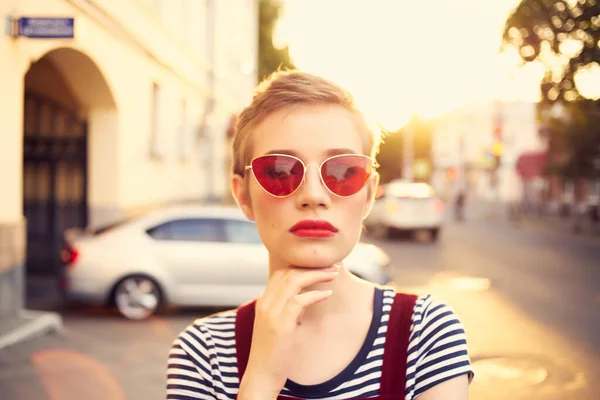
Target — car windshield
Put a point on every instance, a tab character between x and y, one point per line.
412	190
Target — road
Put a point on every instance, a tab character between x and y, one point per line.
529	299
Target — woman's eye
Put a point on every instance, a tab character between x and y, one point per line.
277	173
350	171
272	172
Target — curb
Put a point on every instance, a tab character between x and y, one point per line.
31	324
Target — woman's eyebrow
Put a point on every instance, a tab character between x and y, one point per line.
288	152
336	152
328	152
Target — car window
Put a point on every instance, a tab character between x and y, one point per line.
190	229
242	232
410	190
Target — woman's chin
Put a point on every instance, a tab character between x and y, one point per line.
319	260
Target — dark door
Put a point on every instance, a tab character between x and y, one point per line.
54	179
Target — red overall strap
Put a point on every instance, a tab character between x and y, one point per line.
393	374
244	326
395	352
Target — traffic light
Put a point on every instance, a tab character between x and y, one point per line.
497	149
497	146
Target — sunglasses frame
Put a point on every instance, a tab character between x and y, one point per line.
305	166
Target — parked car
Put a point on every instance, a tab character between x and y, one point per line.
184	256
406	206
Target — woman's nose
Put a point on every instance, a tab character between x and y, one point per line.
313	193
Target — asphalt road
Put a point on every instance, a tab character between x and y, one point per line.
529	299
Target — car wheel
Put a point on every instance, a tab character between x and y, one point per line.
137	297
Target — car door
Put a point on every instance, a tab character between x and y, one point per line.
195	253
251	267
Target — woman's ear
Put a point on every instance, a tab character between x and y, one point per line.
372	186
241	194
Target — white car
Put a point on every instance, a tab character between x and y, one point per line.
406	206
183	256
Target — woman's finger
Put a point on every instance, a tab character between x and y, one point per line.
297	304
293	283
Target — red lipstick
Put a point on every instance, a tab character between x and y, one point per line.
315	228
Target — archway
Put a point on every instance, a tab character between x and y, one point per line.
69	117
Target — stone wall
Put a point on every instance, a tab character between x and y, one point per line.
12	268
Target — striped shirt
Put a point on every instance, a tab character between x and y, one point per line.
203	365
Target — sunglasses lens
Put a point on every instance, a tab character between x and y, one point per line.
278	175
346	175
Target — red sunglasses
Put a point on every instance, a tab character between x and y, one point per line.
281	175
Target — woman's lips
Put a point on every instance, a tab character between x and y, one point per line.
316	228
315	233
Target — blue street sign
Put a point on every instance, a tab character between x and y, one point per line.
50	28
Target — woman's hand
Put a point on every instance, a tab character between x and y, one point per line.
277	313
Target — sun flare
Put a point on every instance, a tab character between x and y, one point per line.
401	57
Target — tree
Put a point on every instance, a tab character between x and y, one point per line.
390	156
391	153
575	144
550	30
270	58
564	35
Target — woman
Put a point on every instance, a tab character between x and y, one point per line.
304	170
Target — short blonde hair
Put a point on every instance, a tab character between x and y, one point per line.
284	89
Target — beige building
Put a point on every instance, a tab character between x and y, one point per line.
131	112
466	137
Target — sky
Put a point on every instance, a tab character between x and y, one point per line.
400	57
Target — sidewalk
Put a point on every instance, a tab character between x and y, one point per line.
497	212
38	318
28	324
573	226
563	225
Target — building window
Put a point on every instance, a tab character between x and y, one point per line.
155	124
